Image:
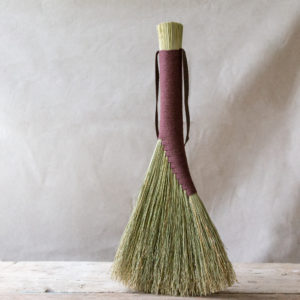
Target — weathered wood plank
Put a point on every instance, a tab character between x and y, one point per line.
73	280
128	296
267	278
58	277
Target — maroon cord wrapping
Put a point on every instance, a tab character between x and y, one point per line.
171	119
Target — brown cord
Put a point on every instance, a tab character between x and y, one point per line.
156	92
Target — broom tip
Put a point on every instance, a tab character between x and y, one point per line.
169	35
170	245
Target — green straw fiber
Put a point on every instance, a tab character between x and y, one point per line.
170	245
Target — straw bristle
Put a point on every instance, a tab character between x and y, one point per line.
170	245
169	35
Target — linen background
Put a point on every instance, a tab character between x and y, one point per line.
77	132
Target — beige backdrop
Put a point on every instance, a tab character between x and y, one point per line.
77	122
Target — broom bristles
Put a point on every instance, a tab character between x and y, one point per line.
170	245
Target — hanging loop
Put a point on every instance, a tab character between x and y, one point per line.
186	94
156	92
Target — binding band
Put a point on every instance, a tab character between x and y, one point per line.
186	92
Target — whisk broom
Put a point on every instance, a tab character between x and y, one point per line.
170	245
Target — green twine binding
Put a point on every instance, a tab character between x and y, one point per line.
170	245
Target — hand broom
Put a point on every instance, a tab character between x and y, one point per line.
170	245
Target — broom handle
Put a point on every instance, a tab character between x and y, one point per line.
171	59
170	38
186	93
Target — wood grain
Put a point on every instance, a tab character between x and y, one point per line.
91	280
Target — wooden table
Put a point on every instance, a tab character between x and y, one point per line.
90	280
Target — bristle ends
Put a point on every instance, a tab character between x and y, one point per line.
170	245
169	35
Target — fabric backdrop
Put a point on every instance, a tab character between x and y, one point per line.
77	129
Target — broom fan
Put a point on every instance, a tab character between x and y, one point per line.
170	245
